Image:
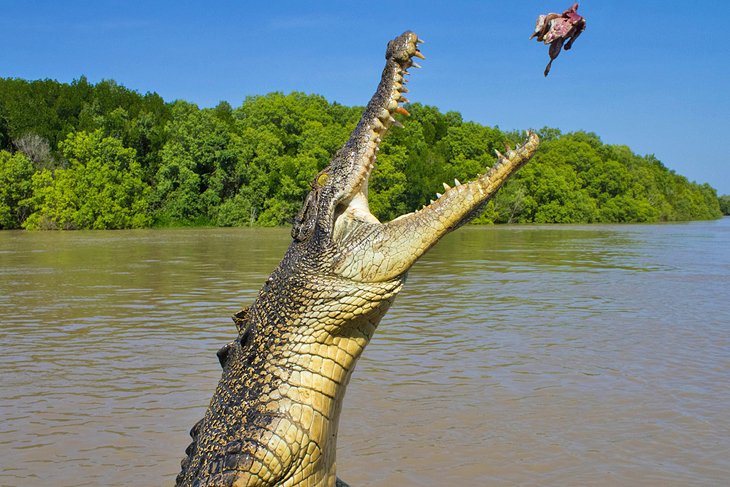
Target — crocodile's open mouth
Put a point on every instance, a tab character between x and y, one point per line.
366	249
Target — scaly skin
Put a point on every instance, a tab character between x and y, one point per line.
274	416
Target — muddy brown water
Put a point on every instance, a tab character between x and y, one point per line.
516	355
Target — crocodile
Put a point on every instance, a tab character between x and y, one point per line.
274	415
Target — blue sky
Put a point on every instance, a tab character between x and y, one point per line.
653	75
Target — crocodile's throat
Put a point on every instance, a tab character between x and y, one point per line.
274	416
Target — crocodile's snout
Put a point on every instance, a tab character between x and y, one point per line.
403	48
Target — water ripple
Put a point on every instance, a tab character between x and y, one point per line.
596	355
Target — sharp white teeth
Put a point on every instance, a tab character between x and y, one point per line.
446	187
420	41
432	202
456	182
438	195
499	154
415	65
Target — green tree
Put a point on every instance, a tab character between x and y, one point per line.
724	202
196	166
101	188
252	165
16	172
388	185
4	131
282	142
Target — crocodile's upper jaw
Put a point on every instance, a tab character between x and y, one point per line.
339	192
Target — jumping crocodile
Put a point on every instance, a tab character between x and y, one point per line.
274	416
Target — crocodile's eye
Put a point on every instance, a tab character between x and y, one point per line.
322	179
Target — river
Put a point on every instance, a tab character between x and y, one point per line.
516	355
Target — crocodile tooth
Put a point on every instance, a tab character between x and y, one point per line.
420	41
419	55
438	195
397	123
415	65
432	201
456	182
499	154
403	99
446	187
403	89
403	111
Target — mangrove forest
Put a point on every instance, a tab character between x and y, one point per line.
101	156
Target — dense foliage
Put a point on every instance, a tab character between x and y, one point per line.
85	155
725	204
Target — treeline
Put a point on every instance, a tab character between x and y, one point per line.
725	204
85	155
